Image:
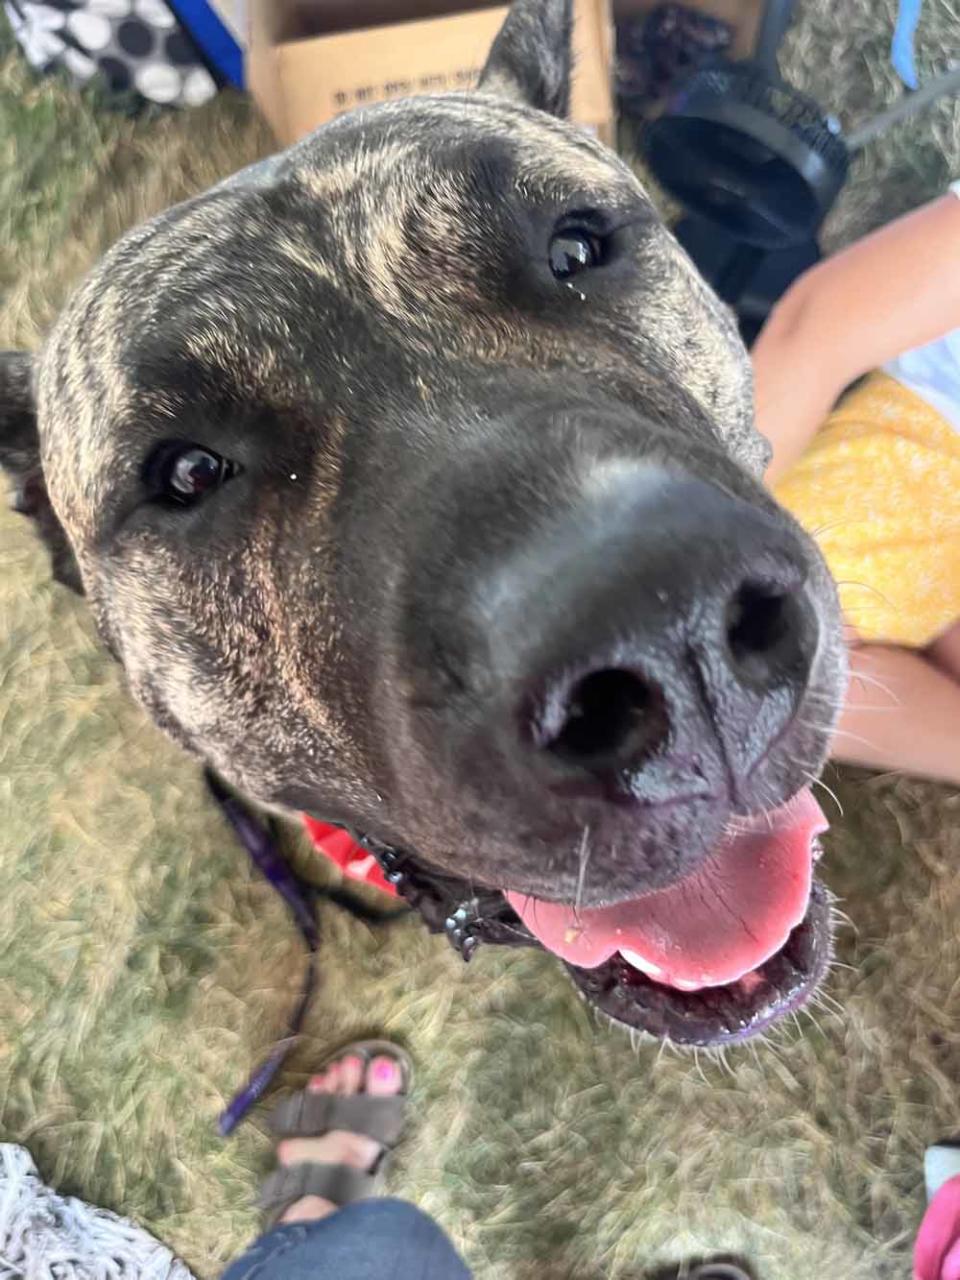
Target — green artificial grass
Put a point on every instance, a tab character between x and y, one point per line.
143	969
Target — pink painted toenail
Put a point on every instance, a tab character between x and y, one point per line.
385	1072
353	1063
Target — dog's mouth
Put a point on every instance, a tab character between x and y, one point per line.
717	1015
714	959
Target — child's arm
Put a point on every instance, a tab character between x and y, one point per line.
902	713
896	289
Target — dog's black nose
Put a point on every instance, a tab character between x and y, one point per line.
658	614
614	718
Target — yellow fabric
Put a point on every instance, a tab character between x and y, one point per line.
879	490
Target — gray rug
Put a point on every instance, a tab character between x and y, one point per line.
46	1236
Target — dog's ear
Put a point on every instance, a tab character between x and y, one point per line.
530	59
20	458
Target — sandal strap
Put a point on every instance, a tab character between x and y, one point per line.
308	1115
339	1183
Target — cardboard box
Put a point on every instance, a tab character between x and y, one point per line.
743	15
310	60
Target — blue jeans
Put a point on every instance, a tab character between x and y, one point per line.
368	1240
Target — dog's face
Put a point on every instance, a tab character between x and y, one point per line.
411	476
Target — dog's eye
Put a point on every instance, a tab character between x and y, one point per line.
574	250
183	473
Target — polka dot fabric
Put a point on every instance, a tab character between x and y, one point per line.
138	47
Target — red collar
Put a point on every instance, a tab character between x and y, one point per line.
353	860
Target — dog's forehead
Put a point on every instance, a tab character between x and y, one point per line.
226	263
440	133
258	279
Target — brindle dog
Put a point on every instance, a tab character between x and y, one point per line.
412	477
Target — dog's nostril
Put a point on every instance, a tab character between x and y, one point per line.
764	632
612	719
756	622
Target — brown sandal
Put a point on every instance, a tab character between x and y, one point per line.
310	1115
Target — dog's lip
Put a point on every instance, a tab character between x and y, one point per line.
720	1015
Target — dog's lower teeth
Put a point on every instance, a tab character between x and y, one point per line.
638	962
655	973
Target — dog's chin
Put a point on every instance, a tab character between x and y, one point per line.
715	1014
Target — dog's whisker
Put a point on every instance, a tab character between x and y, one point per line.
812	1012
584	858
819	782
836	708
697	1049
840	918
815	727
838	733
865	586
819	530
772	1041
831	1007
529	899
888	710
864	677
829	1002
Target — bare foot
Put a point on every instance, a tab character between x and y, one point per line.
345	1076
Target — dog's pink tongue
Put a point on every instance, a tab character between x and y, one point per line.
720	923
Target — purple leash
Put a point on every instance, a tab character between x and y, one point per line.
300	898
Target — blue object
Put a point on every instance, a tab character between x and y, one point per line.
940	1164
212	38
901	49
367	1240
